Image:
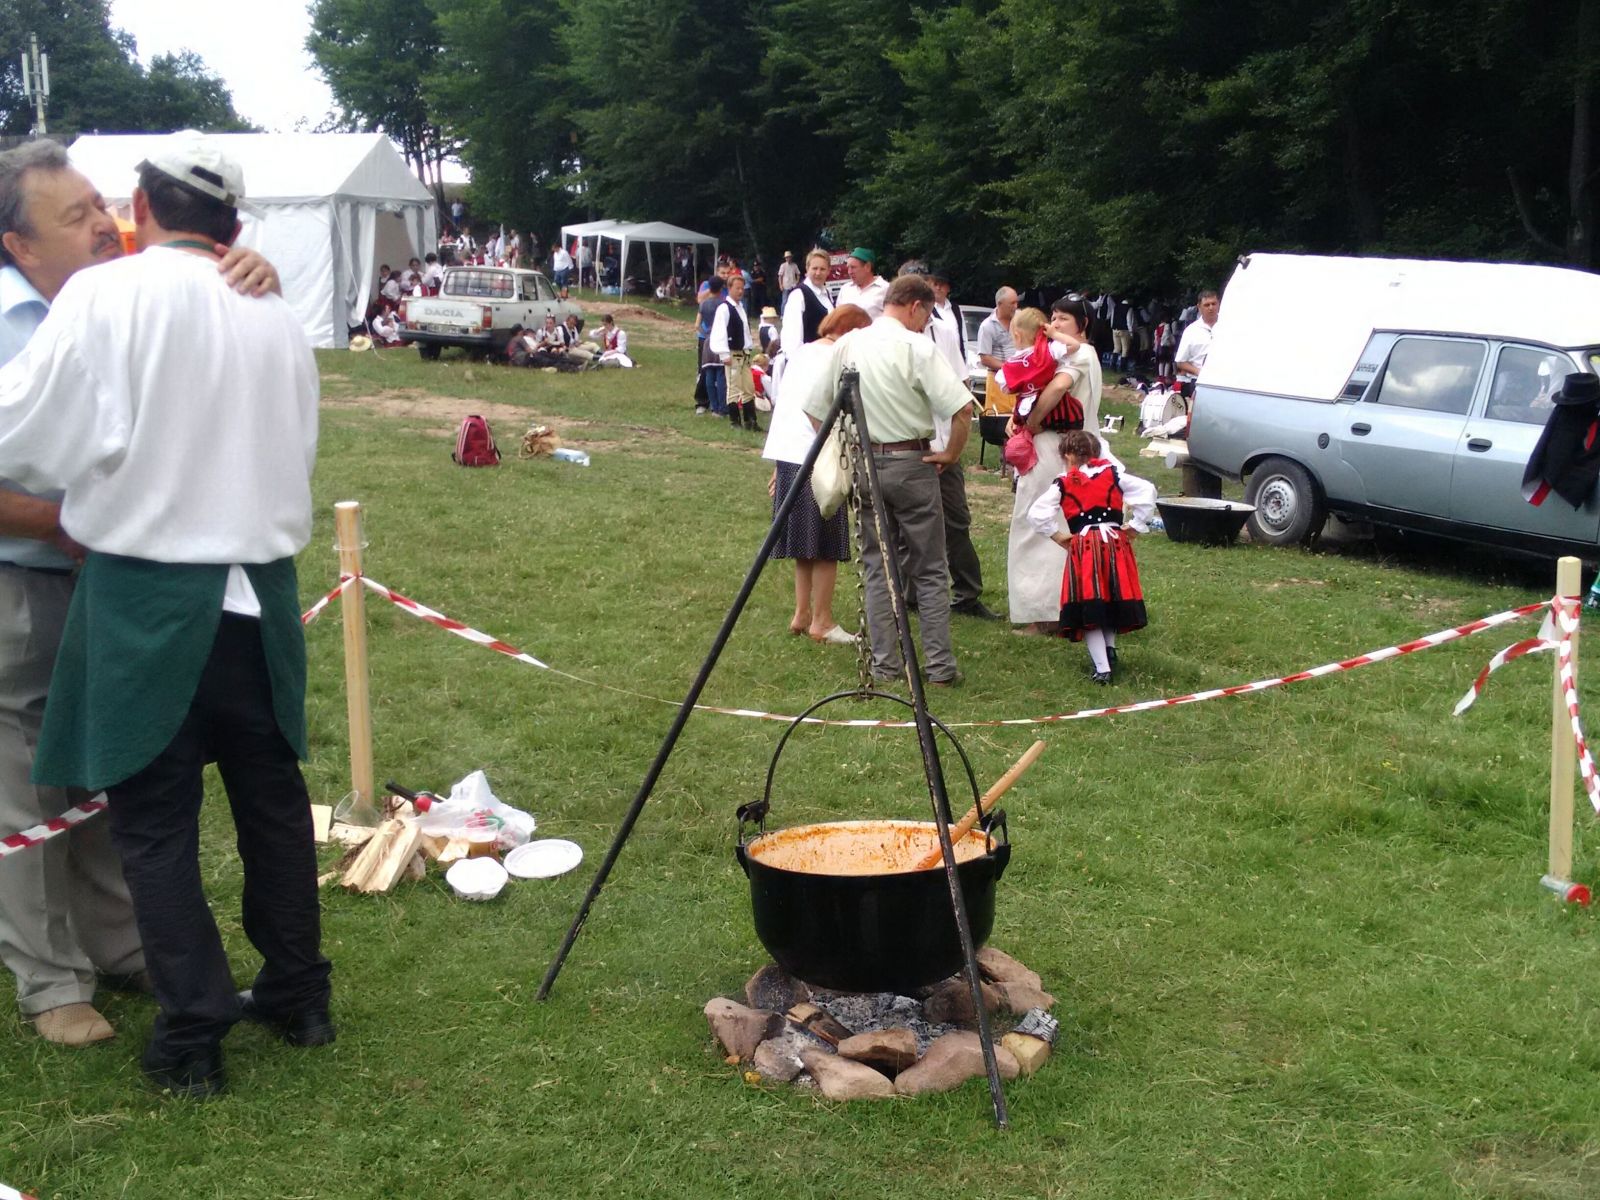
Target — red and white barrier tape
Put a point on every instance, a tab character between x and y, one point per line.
35	834
1566	609
1260	685
312	613
1533	645
10	1193
455	627
39	833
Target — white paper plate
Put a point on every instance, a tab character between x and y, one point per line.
544	859
476	878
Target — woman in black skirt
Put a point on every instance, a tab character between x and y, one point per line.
817	546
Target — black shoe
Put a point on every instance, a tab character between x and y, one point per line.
1101	677
1111	656
954	681
975	608
307	1027
191	1075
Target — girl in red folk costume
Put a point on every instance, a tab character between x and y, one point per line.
1100	592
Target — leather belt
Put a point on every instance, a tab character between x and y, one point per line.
891	447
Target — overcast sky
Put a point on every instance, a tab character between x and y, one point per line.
258	50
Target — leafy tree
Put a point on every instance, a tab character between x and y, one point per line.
180	92
499	89
375	55
95	81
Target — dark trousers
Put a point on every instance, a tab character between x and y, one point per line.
155	823
966	576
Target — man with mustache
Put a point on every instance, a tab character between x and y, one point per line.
64	908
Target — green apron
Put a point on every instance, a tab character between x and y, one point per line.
137	638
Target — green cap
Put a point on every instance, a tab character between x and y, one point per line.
865	255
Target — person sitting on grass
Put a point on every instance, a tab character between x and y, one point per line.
1100	591
551	343
519	350
613	344
386	327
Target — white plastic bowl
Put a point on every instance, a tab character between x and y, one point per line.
476	878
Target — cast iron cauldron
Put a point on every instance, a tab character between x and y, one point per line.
839	904
1198	519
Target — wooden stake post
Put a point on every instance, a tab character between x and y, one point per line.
1563	756
358	696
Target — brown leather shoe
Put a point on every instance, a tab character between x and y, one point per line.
73	1025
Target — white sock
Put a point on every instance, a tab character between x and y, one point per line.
1096	641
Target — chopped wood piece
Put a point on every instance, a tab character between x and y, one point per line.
432	846
327	877
401	848
349	835
1029	1051
455	848
819	1023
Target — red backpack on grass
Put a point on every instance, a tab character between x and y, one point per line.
475	444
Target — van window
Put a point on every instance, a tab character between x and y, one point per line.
546	292
1432	374
489	285
1524	378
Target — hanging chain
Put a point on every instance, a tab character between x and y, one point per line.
848	458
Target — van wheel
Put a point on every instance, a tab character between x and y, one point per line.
1289	509
429	350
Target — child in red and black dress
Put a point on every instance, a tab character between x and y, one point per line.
1100	592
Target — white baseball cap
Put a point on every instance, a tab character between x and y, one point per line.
199	163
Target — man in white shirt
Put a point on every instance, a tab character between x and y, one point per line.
731	344
181	421
788	275
561	266
866	288
995	348
1196	342
966	575
65	913
906	385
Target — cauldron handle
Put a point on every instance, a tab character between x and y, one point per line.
757	811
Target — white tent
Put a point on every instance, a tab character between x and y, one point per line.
650	233
334	207
594	231
632	233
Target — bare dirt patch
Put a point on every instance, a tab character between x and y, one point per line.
414	403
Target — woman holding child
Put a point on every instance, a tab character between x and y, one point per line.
1055	375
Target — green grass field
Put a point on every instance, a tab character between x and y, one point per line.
1297	939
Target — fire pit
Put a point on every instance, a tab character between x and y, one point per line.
840	905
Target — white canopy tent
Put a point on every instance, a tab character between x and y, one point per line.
334	207
629	234
650	233
594	231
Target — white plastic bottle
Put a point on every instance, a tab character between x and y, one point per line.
568	454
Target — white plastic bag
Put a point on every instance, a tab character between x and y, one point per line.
472	809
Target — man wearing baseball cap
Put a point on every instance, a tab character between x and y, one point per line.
180	418
66	920
866	288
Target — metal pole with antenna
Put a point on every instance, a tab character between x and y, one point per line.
36	83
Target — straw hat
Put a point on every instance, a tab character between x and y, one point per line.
360	342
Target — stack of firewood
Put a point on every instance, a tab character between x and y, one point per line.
376	859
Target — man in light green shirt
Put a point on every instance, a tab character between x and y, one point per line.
905	384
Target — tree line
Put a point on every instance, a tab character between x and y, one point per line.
97	83
1120	144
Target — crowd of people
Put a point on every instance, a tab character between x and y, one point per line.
1077	510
